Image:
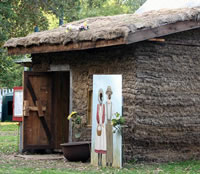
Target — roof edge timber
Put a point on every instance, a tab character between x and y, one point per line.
46	48
138	36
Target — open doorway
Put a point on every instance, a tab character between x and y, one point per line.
60	102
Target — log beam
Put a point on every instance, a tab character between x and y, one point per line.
68	47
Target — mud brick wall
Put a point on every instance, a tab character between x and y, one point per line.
167	103
161	93
115	60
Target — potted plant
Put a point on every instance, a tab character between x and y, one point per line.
77	151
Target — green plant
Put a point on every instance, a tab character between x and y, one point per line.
118	123
77	123
75	118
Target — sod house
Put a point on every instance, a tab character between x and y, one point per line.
158	55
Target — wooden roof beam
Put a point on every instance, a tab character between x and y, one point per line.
162	31
68	47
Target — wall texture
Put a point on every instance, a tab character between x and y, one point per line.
161	93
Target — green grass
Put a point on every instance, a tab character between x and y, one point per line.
11	165
8	127
24	170
189	167
8	138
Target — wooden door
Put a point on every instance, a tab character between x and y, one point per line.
37	130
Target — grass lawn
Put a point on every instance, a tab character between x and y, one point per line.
9	164
8	138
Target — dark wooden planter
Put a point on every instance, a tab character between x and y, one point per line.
77	151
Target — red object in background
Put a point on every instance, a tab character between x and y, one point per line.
18	97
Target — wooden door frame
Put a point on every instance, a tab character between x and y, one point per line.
66	67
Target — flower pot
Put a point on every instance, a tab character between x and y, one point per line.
77	151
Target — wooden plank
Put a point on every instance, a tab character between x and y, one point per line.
68	47
31	90
161	31
26	108
89	113
52	113
35	108
183	43
39	107
23	112
46	129
156	40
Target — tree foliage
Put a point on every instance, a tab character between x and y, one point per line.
65	9
19	18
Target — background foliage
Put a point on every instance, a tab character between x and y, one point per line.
19	18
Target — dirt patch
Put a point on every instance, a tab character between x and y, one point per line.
41	157
37	161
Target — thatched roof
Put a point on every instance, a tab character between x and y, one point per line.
106	31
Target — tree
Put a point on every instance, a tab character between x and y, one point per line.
63	9
11	73
17	18
90	8
133	4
